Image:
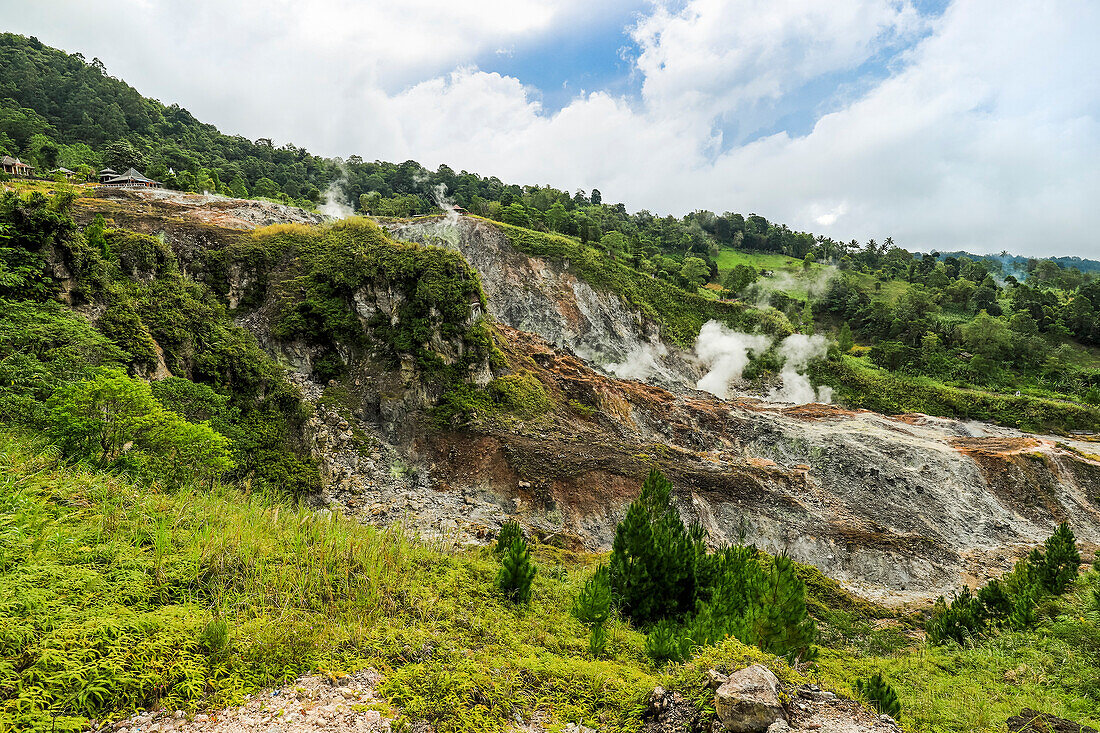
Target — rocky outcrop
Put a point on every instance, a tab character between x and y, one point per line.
748	701
546	298
753	700
1032	721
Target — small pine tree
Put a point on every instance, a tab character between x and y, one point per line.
593	603
844	339
780	623
1024	615
654	556
959	620
597	641
738	577
996	602
1061	562
516	572
508	534
880	694
664	643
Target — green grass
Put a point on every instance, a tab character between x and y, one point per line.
888	291
116	597
860	384
108	591
729	258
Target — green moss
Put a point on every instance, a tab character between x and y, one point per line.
521	394
423	292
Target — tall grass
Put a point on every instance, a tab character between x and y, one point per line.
115	596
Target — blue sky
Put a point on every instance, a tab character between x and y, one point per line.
970	124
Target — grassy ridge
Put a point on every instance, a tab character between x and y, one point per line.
860	385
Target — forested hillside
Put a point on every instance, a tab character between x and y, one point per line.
933	333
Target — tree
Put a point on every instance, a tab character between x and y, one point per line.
613	243
115	421
597	197
593	604
121	155
653	557
694	270
780	623
98	418
844	339
986	335
516	572
880	694
557	217
740	277
509	532
516	215
266	188
1059	565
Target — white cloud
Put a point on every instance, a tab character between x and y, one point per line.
984	134
722	57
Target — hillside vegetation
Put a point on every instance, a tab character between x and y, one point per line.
959	335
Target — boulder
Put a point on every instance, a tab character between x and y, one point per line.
1032	720
748	702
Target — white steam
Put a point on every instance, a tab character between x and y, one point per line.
814	284
336	201
797	351
640	363
726	354
439	195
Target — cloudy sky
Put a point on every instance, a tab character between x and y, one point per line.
944	123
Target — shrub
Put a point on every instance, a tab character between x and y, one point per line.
516	572
880	694
114	421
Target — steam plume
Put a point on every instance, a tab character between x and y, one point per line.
639	363
797	351
439	195
336	202
726	354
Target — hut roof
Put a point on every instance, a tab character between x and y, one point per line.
131	175
108	170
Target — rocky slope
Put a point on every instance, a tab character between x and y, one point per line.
899	508
546	298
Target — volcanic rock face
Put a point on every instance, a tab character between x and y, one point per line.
546	298
898	508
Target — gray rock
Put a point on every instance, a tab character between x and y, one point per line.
748	702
